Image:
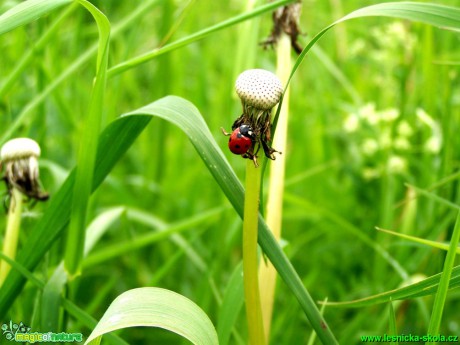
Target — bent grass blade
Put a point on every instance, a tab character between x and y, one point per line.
115	140
425	287
28	11
156	307
437	15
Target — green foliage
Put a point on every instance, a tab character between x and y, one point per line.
424	287
373	113
88	147
27	12
155	307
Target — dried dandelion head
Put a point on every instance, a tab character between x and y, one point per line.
19	158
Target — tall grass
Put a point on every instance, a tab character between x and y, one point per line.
348	165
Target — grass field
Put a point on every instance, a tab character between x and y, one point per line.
372	142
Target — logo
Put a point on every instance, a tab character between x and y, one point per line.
10	330
22	334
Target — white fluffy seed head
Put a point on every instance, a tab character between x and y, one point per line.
19	148
259	88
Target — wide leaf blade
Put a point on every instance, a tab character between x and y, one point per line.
28	11
156	307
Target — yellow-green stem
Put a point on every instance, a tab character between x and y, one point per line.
267	273
10	242
340	31
251	281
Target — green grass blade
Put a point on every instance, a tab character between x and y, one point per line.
348	227
335	71
115	140
51	300
437	15
17	267
75	311
187	117
53	290
90	322
425	287
312	339
433	244
28	11
232	303
87	150
434	197
39	45
118	249
139	60
156	307
100	225
433	14
184	115
27	111
392	323
441	293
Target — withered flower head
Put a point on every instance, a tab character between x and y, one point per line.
20	160
259	90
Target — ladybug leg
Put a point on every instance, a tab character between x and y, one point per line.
269	151
251	156
224	132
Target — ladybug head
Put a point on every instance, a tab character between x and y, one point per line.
247	131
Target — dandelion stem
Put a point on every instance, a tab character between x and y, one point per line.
251	282
10	242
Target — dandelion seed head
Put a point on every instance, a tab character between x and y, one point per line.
259	88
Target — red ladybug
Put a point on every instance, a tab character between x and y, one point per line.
241	140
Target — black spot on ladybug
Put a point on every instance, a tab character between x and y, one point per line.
237	146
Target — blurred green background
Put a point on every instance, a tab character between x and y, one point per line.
374	110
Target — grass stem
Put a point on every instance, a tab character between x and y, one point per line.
251	281
10	242
441	294
267	273
87	149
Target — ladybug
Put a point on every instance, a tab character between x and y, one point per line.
241	140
